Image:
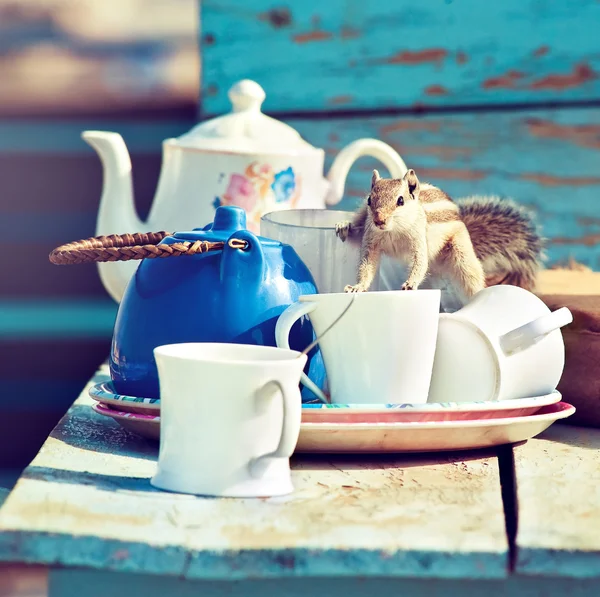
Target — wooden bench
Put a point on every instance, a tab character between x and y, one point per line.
518	520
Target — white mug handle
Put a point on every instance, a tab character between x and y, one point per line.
290	429
344	160
282	337
532	332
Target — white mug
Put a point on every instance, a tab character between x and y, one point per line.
380	352
505	343
230	418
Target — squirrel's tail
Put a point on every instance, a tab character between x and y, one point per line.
505	239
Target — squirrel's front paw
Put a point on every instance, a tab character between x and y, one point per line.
355	288
407	286
342	229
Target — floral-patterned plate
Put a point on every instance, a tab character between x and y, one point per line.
433	436
423	413
430	436
318	412
105	393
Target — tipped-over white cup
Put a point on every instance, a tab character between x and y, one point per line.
505	343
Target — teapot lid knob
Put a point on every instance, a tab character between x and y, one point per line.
246	95
246	130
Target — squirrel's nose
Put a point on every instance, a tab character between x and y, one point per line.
379	221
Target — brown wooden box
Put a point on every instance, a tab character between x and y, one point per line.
580	382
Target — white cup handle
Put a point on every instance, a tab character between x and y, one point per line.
290	428
532	332
282	337
344	160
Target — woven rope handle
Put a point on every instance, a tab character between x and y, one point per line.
126	247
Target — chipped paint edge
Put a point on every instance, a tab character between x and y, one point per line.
93	553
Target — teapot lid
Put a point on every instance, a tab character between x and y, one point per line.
246	129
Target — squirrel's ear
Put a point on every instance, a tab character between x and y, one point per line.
375	177
413	183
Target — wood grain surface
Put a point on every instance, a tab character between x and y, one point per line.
558	498
86	500
91	583
548	161
559	281
350	54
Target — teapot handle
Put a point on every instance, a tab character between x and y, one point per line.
135	246
344	160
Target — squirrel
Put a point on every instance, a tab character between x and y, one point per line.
475	242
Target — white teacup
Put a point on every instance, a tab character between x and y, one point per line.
504	344
230	418
381	351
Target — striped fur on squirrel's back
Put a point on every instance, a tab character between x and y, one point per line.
505	239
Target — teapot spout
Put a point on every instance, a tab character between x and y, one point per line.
116	213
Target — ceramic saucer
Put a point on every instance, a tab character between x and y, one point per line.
105	393
423	413
434	436
318	412
438	436
146	425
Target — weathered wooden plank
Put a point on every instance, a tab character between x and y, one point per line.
348	54
64	181
39	379
566	282
29	275
67	319
52	198
548	160
43	136
76	583
86	501
558	498
29	411
81	61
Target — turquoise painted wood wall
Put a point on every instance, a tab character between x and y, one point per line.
479	97
351	54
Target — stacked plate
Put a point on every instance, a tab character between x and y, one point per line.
378	428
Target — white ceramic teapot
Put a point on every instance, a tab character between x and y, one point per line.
243	158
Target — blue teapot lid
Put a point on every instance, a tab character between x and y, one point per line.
228	219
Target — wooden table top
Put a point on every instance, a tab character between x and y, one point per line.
86	500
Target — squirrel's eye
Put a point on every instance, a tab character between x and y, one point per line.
369	200
400	200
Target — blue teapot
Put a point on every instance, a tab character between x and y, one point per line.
230	295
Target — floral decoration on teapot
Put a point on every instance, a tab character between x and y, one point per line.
260	189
